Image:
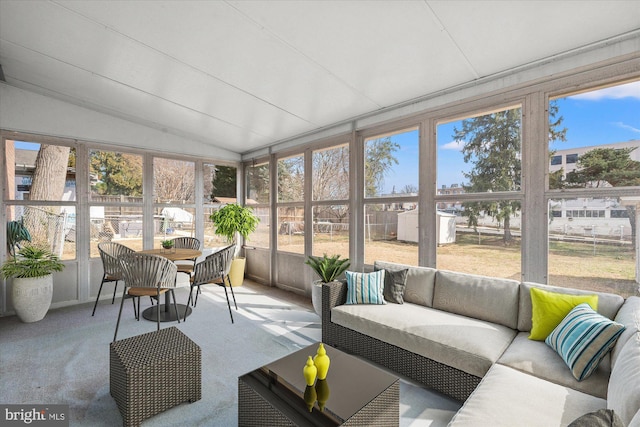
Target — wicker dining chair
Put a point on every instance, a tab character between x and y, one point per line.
147	275
214	270
109	253
186	243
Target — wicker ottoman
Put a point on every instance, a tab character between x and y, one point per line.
153	372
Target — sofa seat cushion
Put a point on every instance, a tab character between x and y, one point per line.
538	359
629	316
464	343
624	384
507	397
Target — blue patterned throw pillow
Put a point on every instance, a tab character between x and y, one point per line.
365	288
583	338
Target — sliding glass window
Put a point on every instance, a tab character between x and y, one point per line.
41	194
330	178
257	197
478	156
596	159
174	199
391	191
115	200
291	204
220	188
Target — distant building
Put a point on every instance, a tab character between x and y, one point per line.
568	159
585	215
450	207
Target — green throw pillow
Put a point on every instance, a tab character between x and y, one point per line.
549	308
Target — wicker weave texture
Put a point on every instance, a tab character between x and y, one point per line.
443	378
254	410
383	411
153	372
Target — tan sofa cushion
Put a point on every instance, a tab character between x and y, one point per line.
624	384
468	344
537	358
608	304
507	397
419	284
486	298
629	316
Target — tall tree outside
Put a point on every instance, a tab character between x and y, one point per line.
47	183
257	181
379	160
116	173
224	182
173	181
291	179
493	144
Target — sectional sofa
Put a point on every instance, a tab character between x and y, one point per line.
468	336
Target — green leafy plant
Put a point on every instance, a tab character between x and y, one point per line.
31	261
16	234
328	267
232	219
167	244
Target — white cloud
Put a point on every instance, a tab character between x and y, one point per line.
453	145
629	90
627	127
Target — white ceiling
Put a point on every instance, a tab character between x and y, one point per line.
245	74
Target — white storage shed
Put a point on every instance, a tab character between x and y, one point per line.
408	227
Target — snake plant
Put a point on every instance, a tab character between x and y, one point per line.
328	267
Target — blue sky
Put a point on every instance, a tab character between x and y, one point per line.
598	117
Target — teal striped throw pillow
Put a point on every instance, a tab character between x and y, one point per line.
583	338
365	288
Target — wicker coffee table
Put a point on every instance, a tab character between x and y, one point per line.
355	393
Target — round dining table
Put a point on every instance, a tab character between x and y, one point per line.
166	311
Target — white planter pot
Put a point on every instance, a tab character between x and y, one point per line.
32	297
316	296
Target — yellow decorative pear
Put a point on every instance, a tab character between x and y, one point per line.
322	361
310	371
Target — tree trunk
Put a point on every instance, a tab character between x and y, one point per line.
47	184
631	211
507	237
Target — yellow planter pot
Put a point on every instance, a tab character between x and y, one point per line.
236	274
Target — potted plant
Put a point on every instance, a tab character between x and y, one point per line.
16	234
32	272
231	220
167	244
329	268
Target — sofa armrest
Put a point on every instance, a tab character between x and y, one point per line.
333	294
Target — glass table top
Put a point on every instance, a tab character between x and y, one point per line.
351	384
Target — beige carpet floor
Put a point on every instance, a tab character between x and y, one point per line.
64	359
